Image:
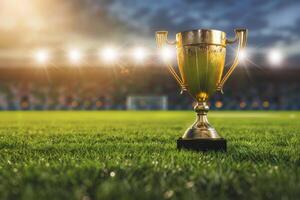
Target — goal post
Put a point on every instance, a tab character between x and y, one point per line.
147	102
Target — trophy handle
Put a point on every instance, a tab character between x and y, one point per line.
161	41
241	37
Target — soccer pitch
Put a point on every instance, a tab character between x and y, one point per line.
132	155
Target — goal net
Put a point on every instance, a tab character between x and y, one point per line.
147	103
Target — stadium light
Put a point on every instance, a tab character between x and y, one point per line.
166	54
41	56
275	57
109	54
139	54
75	56
243	55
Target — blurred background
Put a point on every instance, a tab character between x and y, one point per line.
100	55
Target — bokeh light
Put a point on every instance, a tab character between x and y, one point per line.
41	56
75	56
166	54
219	104
109	54
243	55
275	57
139	54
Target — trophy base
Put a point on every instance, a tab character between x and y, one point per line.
205	144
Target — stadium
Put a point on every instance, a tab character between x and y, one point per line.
89	109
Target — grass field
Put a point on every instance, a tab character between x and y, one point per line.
132	155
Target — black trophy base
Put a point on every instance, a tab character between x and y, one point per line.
218	144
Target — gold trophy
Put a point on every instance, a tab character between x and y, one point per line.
201	59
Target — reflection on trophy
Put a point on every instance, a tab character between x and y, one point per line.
201	59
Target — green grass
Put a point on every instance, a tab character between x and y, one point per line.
132	155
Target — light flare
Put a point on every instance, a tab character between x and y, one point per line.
275	57
166	54
243	55
75	56
139	54
109	54
41	56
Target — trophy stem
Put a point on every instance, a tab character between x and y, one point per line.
202	109
201	127
201	136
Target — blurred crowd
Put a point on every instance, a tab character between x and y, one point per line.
111	91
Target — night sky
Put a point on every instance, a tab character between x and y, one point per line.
90	24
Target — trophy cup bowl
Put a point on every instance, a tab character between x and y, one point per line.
201	60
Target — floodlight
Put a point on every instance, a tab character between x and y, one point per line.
243	55
166	53
109	54
275	57
139	54
41	56
75	56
